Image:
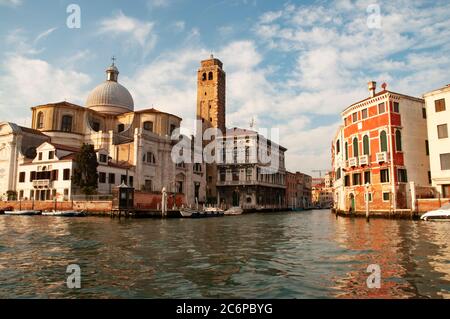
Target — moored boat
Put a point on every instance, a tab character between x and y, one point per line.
65	214
234	211
23	213
441	214
191	213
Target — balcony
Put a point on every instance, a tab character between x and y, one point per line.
42	183
382	157
353	162
364	160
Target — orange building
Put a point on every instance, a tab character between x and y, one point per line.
380	150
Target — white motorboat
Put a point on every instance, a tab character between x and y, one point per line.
234	211
192	213
23	213
441	214
65	214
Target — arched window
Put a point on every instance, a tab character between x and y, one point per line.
338	147
398	141
346	151
210	76
66	124
366	145
383	141
40	120
204	77
355	147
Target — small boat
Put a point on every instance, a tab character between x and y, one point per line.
65	214
442	214
23	213
234	211
192	213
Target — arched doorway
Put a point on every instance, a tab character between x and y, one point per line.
236	200
352	203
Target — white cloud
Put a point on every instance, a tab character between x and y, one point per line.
135	30
10	3
44	34
35	82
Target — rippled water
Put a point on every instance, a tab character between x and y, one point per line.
287	255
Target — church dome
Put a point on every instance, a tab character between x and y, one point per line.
110	97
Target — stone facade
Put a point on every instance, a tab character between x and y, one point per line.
298	191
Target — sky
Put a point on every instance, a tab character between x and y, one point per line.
291	65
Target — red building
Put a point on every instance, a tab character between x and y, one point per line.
379	150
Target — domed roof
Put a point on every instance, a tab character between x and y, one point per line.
110	96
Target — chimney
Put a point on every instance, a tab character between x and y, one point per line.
372	88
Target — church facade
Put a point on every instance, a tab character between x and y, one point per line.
133	147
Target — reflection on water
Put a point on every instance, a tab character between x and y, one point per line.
290	255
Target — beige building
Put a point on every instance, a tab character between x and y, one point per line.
438	118
132	141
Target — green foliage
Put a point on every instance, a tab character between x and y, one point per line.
85	174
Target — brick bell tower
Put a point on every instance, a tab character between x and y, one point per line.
211	81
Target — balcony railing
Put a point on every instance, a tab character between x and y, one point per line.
42	183
364	160
353	162
382	157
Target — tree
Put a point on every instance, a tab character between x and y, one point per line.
85	174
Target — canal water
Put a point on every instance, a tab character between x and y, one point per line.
285	255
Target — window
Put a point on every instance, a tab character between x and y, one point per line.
439	105
347	180
102	178
54	176
21	195
223	175
204	77
354	117
40	120
112	178
383	141
357	179
370	197
66	174
32	176
402	175
424	113
346	151
123	179
103	158
366	145
398	140
384	176
386	197
22	177
381	108
442	131
148	126
338	147
427	147
148	185
396	107
96	126
445	161
66	192
367	179
66	124
149	158
131	181
235	174
364	114
249	174
51	155
197	168
121	128
40	156
172	128
429	177
338	174
355	147
210	76
179	186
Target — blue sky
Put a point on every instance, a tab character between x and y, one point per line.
292	65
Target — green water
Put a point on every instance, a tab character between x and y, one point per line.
286	255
